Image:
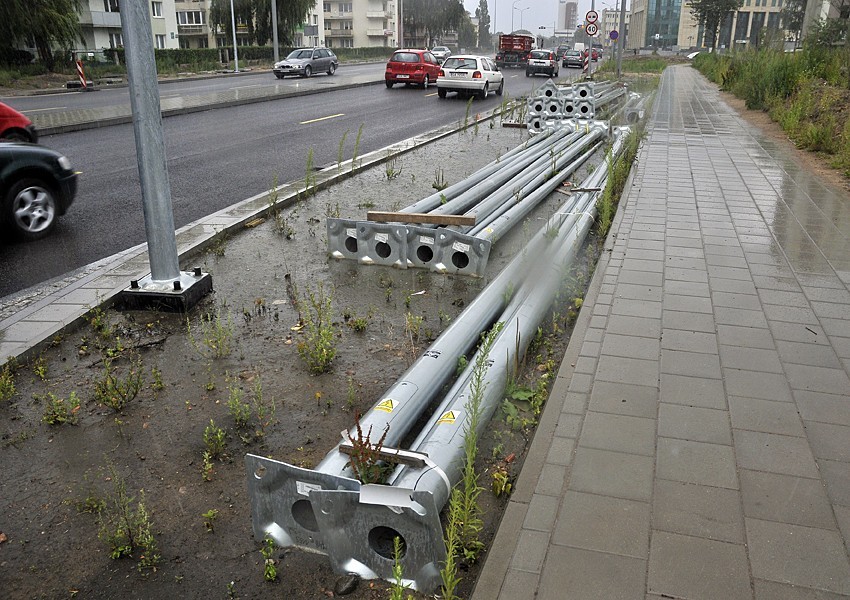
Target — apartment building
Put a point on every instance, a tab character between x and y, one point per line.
609	20
360	23
101	24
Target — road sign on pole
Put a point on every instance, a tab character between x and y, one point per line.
592	16
614	34
592	29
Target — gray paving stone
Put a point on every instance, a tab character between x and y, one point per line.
829	441
678	274
604	524
685	252
609	473
635	291
695	424
817	379
696	462
640	278
798	332
797	555
770	282
574	402
636	308
624	399
591	575
541	513
530	551
519	585
689	341
692	391
765	415
821	294
697	510
733	286
750	359
785	498
825	408
690	364
569	425
771	590
782	298
729	273
628	370
816	355
686	303
552	478
842	514
749	384
585	364
650	266
688	321
725	315
581	383
620	433
561	450
690	567
834	473
774	453
750	337
626	325
687	288
734	300
790	314
631	346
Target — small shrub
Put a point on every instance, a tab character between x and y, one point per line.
215	440
318	348
365	456
114	391
60	411
216	332
7	383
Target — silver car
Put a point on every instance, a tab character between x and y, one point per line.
441	53
306	61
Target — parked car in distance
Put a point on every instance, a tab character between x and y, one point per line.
16	126
573	58
542	61
37	186
306	61
594	55
561	50
417	67
470	75
441	53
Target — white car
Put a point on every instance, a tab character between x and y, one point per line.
470	75
441	53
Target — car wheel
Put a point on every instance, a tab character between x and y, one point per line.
483	93
308	71
16	135
501	88
389	84
331	69
31	209
527	73
426	82
441	92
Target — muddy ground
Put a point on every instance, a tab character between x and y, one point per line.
56	479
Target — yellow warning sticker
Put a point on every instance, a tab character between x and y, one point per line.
387	405
447	418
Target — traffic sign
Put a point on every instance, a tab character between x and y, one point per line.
614	34
592	16
592	29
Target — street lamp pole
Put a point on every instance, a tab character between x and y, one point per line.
513	8
522	10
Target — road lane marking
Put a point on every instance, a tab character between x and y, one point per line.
321	119
242	87
429	95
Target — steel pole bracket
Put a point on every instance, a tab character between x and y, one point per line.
342	238
382	244
461	253
421	246
360	527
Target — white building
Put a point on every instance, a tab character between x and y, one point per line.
360	23
101	24
609	20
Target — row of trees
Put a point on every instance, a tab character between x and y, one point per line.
41	23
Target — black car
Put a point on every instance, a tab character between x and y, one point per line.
37	186
573	58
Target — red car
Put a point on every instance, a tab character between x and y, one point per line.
412	66
15	126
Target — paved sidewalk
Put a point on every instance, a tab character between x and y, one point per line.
697	442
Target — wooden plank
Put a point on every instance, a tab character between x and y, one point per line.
399	217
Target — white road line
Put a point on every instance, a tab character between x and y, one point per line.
32	110
322	119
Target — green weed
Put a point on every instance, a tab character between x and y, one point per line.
215	440
60	411
318	348
269	563
365	458
239	410
115	391
209	519
7	383
440	182
356	148
216	334
397	587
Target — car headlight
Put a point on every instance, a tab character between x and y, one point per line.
64	163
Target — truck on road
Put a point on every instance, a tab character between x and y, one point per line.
514	50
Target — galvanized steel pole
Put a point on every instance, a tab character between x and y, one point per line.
235	44
276	51
150	146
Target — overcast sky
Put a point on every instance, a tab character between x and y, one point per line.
537	13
